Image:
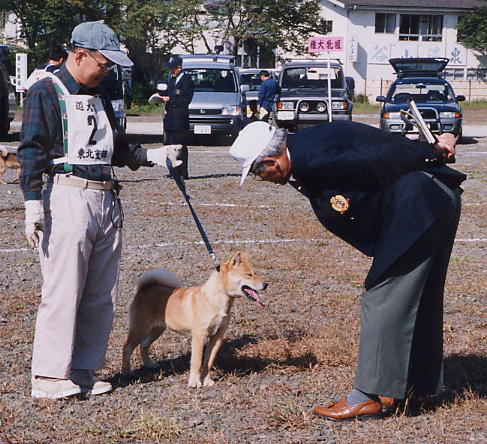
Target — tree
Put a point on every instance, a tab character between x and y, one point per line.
279	24
46	23
472	30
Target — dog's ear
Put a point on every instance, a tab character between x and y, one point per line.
235	259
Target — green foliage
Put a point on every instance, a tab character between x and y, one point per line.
272	23
472	30
150	29
47	23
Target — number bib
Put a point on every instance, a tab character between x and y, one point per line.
87	133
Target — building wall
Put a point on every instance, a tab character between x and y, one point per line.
367	53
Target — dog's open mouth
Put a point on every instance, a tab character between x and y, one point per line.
252	295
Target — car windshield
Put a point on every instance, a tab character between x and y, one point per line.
311	77
421	92
212	80
253	80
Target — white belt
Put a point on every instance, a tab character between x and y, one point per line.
73	181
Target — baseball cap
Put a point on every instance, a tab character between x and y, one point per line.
250	144
174	62
101	38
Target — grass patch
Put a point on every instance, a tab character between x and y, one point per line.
146	109
363	108
151	426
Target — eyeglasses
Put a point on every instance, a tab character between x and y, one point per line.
104	66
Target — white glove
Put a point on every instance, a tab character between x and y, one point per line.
159	155
34	221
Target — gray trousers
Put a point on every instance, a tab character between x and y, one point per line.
401	338
80	256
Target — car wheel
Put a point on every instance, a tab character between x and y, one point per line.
4	129
460	136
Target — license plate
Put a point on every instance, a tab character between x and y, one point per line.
285	115
202	129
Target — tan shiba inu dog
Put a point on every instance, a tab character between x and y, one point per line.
202	312
8	160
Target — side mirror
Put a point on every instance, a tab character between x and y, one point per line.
244	88
460	98
161	87
380	99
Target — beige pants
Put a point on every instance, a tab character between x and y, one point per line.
80	257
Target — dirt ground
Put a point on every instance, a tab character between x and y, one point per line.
279	361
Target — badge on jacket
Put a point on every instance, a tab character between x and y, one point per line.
339	203
178	91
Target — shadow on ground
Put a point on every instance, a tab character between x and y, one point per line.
464	377
227	361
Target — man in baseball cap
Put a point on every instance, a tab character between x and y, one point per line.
99	37
393	199
69	132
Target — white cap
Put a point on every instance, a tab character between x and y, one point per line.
250	144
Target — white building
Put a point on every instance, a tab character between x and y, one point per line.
377	30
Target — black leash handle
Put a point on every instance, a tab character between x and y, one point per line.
180	183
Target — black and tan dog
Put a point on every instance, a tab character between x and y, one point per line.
8	160
200	312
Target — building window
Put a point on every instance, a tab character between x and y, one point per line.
425	28
460	36
385	23
328	26
454	73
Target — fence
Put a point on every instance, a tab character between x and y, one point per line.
471	89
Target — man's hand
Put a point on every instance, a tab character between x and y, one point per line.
445	145
34	221
174	154
165	98
158	156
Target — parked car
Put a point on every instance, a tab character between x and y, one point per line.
8	104
113	84
420	79
219	98
303	97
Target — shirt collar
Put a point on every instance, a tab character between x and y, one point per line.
72	85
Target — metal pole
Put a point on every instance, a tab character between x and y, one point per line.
330	112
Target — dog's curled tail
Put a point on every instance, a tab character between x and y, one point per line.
3	151
159	276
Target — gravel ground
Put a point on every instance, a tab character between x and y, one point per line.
277	362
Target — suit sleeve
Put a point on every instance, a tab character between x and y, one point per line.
357	156
186	91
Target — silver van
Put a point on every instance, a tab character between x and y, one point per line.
219	99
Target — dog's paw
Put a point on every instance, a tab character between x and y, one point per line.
208	382
194	382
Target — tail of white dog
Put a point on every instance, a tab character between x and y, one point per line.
3	151
159	276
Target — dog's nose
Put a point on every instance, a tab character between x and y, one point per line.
265	284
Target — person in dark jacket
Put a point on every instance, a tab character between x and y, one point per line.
180	90
395	200
267	91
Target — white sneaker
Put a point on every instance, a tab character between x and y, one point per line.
89	383
53	388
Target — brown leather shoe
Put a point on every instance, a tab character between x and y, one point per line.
387	402
340	411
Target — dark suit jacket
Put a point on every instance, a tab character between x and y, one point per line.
387	202
180	96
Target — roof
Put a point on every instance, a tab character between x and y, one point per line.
430	4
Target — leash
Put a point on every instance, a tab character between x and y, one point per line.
180	183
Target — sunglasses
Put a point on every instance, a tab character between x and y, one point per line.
105	66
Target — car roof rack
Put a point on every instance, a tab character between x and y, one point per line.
220	58
306	60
